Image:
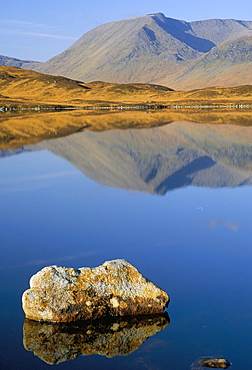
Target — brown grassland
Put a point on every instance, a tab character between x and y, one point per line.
23	88
27	89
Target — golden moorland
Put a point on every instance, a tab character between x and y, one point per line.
23	88
21	91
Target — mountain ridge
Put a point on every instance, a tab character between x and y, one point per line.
15	62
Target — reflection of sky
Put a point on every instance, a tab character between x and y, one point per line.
23	175
192	242
63	207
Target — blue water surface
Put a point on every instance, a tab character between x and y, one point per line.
193	242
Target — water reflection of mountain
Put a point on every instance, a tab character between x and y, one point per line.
55	343
159	159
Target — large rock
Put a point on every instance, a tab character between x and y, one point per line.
116	288
117	336
214	362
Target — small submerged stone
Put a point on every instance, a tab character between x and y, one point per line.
214	362
116	288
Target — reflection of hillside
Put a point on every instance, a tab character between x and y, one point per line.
159	159
18	129
163	158
55	343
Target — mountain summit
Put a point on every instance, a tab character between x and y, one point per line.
142	49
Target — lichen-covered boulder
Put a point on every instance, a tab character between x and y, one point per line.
110	337
116	288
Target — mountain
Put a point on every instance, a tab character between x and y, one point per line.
142	49
227	64
160	159
14	62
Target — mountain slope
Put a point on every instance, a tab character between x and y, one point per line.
14	62
26	88
227	64
141	49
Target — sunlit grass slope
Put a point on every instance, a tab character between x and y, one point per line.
22	88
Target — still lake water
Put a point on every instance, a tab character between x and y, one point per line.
174	201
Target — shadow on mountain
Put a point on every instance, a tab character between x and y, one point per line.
182	177
178	29
111	337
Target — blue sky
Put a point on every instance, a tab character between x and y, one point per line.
38	30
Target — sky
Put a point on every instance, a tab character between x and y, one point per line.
39	30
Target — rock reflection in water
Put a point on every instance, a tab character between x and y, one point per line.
55	343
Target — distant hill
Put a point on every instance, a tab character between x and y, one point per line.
144	49
14	62
227	64
19	87
24	88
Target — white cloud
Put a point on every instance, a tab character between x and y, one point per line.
13	22
59	37
13	32
15	27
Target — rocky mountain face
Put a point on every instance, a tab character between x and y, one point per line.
227	64
151	48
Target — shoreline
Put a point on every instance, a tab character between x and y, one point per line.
25	127
136	107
